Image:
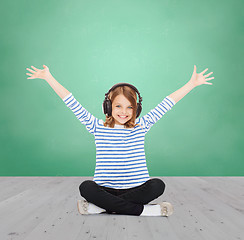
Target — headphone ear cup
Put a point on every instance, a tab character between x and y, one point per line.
138	110
104	107
107	106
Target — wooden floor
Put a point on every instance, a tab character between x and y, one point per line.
34	208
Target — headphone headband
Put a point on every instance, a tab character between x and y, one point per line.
124	84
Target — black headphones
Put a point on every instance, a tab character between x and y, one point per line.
107	104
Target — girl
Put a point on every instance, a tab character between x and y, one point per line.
121	182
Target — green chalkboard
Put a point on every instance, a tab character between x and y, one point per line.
91	45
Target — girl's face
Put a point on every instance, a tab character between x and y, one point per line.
121	109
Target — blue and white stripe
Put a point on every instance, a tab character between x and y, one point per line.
120	154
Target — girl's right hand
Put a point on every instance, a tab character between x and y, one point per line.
39	73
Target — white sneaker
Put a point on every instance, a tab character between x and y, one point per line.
166	209
82	206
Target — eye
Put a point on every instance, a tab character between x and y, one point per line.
119	106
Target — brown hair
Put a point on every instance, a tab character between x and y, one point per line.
130	94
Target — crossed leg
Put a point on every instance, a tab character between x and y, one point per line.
129	202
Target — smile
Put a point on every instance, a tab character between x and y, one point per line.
122	116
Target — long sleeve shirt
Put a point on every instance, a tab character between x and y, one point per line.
120	154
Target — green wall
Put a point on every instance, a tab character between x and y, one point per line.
91	45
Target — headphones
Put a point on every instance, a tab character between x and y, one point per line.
107	104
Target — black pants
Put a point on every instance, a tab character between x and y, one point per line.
122	201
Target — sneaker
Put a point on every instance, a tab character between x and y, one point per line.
166	209
82	206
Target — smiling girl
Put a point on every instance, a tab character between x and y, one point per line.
121	182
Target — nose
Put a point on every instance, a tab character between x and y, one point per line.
123	112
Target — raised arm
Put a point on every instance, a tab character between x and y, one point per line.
196	80
46	75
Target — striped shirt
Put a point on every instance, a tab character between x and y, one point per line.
120	154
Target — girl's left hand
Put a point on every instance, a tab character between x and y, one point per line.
198	79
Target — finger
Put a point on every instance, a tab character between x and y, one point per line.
209	78
29	74
31	77
35	68
208	83
30	70
204	71
208	74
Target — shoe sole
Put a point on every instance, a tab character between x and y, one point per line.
82	206
166	209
